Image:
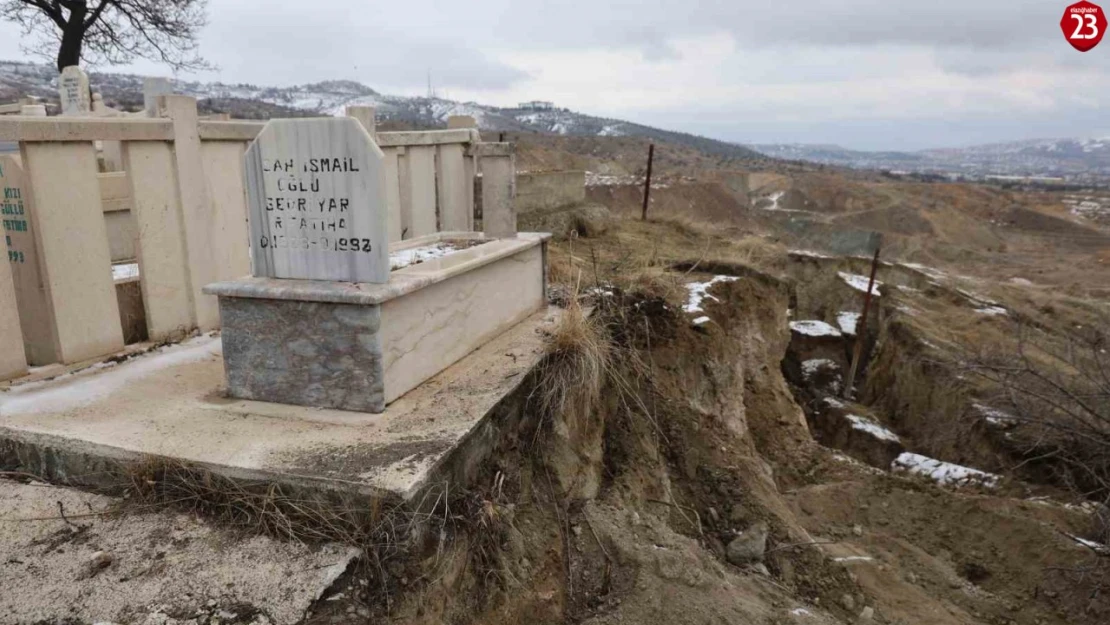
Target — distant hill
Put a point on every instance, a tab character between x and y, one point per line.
1071	158
1076	159
332	97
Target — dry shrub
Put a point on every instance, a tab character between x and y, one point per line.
403	546
1057	397
578	362
267	508
686	226
759	252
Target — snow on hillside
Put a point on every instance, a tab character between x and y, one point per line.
18	79
1073	159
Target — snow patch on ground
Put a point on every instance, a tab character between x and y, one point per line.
612	130
859	282
853	559
594	179
774	198
808	254
1090	544
813	327
863	424
599	291
992	311
122	273
699	292
811	367
944	473
414	256
933	273
995	416
977	299
847	322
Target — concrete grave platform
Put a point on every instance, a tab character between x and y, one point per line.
360	346
172	402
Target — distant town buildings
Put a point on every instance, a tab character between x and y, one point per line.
537	105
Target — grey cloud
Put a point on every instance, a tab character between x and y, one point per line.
1059	58
985	23
821	47
288	43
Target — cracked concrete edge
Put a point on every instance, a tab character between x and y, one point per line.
62	460
464	462
81	463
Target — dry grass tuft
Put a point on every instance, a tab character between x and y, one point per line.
758	252
394	538
686	226
266	508
579	360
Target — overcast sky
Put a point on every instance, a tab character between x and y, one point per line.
866	74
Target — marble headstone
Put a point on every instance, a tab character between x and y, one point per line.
316	201
73	90
152	88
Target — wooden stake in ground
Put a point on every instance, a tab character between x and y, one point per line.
647	182
861	326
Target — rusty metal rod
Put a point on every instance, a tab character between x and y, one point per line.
861	326
647	182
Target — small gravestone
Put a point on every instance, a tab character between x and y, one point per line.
73	90
316	202
461	121
152	88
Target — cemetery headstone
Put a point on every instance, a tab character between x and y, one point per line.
461	121
316	202
22	255
152	88
73	90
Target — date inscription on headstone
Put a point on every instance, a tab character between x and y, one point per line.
316	198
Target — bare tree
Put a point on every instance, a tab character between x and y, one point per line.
111	32
1056	397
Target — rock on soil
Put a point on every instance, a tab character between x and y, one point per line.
748	547
160	568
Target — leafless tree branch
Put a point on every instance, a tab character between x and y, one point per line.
111	32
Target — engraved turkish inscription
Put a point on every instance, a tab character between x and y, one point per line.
316	194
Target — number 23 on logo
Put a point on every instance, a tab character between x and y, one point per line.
1083	25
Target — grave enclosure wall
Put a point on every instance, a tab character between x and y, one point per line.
178	207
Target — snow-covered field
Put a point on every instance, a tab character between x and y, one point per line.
945	473
813	327
859	282
847	321
864	424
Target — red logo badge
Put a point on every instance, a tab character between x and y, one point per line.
1083	24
